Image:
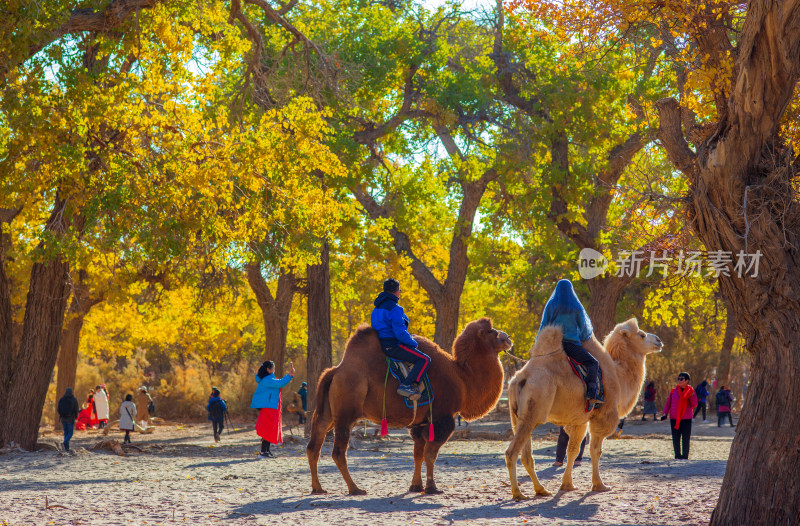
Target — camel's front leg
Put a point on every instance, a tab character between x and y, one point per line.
597	450
341	440
443	428
576	434
419	448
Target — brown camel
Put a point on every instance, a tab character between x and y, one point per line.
469	381
546	390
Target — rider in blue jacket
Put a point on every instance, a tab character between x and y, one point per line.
565	310
391	323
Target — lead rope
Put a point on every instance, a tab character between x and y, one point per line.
430	427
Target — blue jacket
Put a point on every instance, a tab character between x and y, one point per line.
268	391
702	392
221	413
565	309
391	322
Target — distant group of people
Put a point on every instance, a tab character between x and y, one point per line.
95	412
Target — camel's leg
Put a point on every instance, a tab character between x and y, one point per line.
443	428
341	440
419	448
431	453
576	434
521	437
597	450
530	467
319	429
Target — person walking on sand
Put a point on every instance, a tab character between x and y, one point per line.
68	411
724	401
702	395
650	401
101	405
680	403
565	310
303	392
144	406
391	322
216	412
127	417
267	399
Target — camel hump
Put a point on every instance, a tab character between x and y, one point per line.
547	341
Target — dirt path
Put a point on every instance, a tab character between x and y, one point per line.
183	477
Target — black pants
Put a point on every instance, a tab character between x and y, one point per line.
700	405
415	356
583	357
681	435
721	415
127	438
264	446
218	425
561	446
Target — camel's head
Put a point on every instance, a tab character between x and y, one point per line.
629	332
492	339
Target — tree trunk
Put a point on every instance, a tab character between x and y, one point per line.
32	365
274	311
727	346
604	295
6	325
742	200
67	364
320	346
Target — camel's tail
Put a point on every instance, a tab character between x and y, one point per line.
513	402
321	407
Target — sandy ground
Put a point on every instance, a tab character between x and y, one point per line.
182	476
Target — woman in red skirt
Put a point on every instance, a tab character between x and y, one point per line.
267	399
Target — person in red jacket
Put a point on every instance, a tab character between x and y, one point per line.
680	404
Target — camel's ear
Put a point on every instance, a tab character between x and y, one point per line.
625	332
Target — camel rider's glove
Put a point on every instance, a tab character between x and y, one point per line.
663	417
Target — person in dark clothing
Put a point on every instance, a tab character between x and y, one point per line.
724	402
564	309
216	412
303	392
702	395
68	411
561	448
650	401
391	323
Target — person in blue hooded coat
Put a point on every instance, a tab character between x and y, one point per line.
267	399
391	323
565	310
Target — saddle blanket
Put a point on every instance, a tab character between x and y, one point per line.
580	372
400	370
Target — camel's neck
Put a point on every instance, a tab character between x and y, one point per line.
630	371
483	384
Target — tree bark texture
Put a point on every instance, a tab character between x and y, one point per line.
724	369
67	364
320	345
31	366
275	311
742	199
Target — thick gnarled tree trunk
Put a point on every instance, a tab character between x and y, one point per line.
31	365
742	199
275	311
